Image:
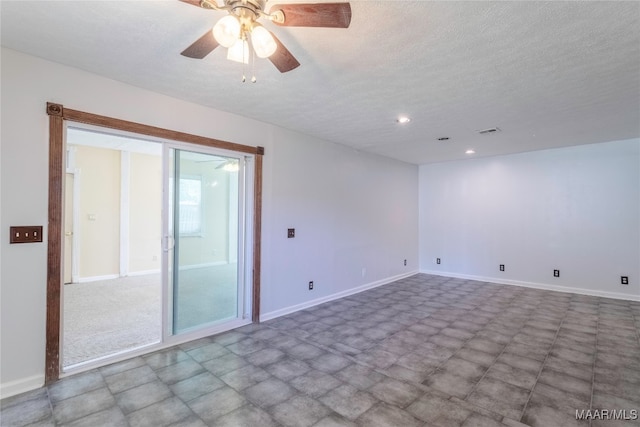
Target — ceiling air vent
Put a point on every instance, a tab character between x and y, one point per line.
487	131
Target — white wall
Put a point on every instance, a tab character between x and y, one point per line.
350	210
574	209
99	208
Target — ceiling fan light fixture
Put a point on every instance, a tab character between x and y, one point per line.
231	167
227	31
239	52
262	41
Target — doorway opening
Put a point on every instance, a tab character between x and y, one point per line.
112	292
154	239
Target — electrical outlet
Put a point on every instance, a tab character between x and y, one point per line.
311	285
291	233
405	262
25	234
556	273
624	280
437	260
501	267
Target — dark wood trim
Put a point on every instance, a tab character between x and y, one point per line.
124	125
257	233
54	245
54	109
57	117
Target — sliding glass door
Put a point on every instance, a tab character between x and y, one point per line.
204	239
161	230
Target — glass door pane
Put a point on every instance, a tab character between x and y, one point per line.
203	221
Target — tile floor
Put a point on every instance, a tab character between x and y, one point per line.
423	351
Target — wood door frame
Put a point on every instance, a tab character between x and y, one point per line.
57	117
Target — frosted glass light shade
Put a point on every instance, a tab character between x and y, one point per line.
227	31
263	42
239	52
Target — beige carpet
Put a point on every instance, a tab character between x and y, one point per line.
110	316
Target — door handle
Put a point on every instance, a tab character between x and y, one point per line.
167	247
68	233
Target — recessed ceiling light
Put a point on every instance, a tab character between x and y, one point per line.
403	120
443	138
470	152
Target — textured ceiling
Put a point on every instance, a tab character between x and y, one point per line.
548	74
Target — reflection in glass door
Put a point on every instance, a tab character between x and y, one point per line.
204	206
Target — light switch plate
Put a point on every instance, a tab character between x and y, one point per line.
25	234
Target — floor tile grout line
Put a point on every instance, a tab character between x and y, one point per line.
106	386
636	324
555	338
50	402
495	360
487	371
593	367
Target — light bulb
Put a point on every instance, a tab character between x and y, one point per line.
227	31
263	42
239	52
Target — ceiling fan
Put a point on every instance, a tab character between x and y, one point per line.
240	28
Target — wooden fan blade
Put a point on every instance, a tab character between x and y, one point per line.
198	3
201	47
332	15
282	58
192	2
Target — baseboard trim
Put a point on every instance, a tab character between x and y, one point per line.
23	385
97	278
143	273
534	285
292	309
204	265
146	272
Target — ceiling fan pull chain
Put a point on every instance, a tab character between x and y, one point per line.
244	77
253	66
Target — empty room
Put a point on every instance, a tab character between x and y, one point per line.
307	213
